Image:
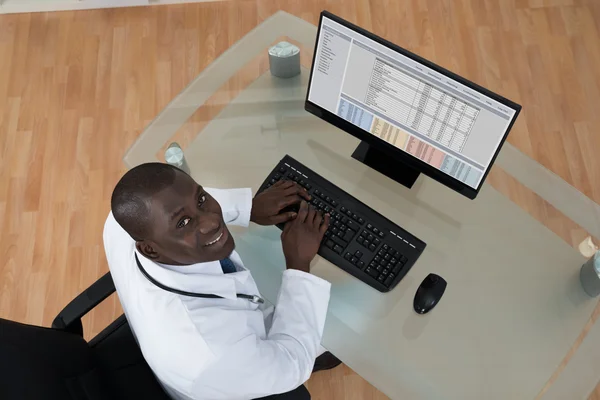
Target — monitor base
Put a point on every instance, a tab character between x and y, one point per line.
385	164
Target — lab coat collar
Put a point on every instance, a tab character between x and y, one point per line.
206	278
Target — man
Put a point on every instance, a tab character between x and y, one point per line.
166	239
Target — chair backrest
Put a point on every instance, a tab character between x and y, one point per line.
44	363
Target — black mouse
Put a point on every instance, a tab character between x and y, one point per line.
429	293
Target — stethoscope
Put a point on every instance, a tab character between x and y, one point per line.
252	298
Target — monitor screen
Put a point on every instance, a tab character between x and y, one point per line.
436	117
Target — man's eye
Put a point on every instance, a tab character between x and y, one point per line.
201	200
184	222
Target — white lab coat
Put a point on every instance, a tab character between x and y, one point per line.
218	348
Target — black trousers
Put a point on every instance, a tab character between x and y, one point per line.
300	393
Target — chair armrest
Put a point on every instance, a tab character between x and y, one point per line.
69	319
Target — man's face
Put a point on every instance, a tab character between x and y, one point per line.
187	226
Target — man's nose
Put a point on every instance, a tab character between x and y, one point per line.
208	224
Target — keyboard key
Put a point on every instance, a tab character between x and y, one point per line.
360	239
358	254
397	254
334	203
327	233
381	253
348	256
361	264
376	241
327	209
307	186
370	238
349	213
403	259
349	235
334	230
353	260
329	244
361	221
379	268
381	235
391	275
355	217
387	257
388	281
337	224
340	233
338	249
302	183
343	210
364	233
338	217
328	199
345	220
366	243
393	261
277	176
397	269
343	227
384	262
339	241
385	271
372	272
372	247
381	278
385	247
317	192
377	259
369	226
282	170
353	225
321	205
375	230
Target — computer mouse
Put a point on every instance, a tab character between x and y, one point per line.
429	293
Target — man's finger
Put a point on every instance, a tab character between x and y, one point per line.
285	217
311	215
302	213
324	225
297	190
287	184
318	219
288	201
278	183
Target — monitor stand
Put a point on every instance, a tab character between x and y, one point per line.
385	164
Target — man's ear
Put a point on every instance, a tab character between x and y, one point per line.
146	249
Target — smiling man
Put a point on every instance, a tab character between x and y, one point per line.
193	306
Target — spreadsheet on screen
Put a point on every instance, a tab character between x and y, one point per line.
430	116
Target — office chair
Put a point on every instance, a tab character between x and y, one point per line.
58	364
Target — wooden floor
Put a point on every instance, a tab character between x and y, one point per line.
77	88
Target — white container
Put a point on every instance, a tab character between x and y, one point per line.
590	275
174	156
284	60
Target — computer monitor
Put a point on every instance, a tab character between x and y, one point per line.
411	115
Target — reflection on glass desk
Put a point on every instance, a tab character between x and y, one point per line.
513	306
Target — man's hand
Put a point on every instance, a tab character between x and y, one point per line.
302	237
266	206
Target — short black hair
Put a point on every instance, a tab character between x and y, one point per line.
130	201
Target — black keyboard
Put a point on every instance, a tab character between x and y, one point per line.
359	240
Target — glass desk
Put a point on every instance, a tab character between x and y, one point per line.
514	319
